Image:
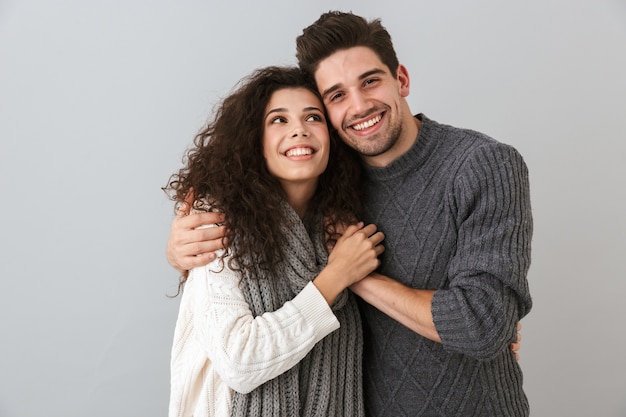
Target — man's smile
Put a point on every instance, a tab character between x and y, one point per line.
368	123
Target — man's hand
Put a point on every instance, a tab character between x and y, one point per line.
515	346
189	245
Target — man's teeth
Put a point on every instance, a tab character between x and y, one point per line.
299	152
367	124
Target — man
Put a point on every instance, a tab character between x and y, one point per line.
454	207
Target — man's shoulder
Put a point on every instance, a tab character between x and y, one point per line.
461	140
451	132
459	148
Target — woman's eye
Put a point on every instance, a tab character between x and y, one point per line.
314	118
278	119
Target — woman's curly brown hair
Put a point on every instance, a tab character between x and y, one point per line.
228	173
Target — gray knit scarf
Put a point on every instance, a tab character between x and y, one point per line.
328	381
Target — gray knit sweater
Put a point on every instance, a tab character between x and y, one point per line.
456	214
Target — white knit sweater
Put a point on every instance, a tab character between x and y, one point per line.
220	347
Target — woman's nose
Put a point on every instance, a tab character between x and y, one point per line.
299	130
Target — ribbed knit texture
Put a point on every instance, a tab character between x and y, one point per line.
328	381
455	210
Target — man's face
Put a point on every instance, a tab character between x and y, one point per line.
365	103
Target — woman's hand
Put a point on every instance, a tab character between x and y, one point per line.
356	252
354	256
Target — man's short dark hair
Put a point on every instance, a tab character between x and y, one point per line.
335	31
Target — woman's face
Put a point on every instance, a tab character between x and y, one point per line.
296	143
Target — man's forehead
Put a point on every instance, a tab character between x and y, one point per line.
347	66
347	59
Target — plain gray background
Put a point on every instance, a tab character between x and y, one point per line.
99	99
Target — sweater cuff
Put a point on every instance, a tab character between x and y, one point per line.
316	311
448	319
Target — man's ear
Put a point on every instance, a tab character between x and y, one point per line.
403	80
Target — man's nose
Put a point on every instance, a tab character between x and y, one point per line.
358	103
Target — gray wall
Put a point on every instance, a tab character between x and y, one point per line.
98	101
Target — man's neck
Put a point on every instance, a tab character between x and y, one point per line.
410	129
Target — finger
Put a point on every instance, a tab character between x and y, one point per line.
201	241
183	210
198	253
352	229
195	261
519	326
369	230
195	220
377	238
185	207
190	197
209	237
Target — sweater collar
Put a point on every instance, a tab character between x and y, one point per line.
411	160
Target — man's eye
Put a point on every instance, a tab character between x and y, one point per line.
336	96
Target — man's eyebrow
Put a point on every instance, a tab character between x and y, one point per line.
330	90
375	71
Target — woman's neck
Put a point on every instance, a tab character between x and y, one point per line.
299	196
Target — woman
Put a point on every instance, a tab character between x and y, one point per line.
269	328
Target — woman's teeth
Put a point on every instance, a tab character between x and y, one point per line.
299	152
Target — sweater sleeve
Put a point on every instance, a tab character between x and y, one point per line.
248	351
477	313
